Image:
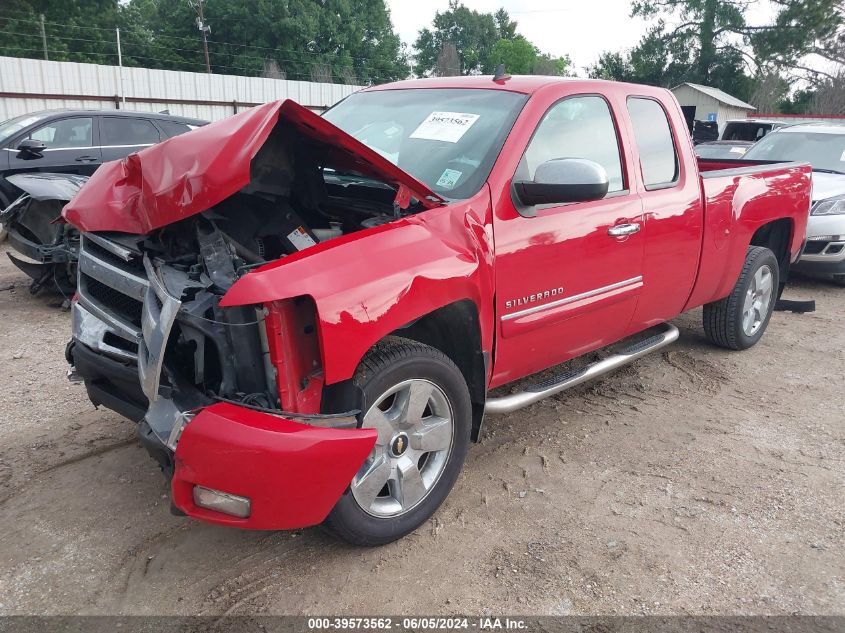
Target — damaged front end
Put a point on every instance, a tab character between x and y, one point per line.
46	246
151	341
229	400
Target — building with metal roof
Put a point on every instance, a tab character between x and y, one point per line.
705	103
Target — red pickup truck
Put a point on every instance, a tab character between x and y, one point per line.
305	315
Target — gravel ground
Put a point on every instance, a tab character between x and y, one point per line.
697	481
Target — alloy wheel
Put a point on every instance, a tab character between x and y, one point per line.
757	300
415	425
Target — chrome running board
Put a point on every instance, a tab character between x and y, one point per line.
573	377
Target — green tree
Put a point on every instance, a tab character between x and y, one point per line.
482	41
612	66
521	57
346	40
546	64
76	30
506	26
656	60
351	40
517	54
473	34
712	42
710	30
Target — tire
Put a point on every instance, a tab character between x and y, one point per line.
420	442
837	279
739	320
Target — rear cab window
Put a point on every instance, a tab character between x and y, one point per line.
655	145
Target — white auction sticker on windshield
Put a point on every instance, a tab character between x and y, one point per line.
445	126
449	178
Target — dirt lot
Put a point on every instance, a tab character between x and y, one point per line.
696	481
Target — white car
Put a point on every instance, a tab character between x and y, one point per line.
823	146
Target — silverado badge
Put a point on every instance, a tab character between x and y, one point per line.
522	301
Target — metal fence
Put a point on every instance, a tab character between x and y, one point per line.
28	85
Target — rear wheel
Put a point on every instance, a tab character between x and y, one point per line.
418	401
739	320
839	279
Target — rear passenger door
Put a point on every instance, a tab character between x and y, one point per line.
124	135
668	185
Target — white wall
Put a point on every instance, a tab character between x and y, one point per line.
28	85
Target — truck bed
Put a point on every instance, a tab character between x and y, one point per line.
738	196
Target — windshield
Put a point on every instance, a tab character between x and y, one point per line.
446	138
13	126
822	151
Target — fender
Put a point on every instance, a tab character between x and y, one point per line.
737	205
368	284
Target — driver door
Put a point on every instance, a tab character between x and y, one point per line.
567	275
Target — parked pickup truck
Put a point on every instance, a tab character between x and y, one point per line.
306	315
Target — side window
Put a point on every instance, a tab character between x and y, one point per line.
658	157
66	134
172	128
126	131
577	127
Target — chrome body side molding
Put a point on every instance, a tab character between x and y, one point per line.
566	300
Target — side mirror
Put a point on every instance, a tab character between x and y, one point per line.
31	147
563	180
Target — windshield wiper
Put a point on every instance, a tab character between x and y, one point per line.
828	171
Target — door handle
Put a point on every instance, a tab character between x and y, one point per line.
87	159
621	230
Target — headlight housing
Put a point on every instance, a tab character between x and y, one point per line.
829	206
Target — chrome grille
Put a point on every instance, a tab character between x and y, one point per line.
112	286
123	305
96	249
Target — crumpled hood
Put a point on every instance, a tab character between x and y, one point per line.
188	174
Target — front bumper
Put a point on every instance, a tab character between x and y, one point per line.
292	473
824	250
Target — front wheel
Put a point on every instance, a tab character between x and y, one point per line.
418	401
739	320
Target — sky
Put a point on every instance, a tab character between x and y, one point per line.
582	30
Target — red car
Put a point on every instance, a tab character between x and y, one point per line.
305	315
